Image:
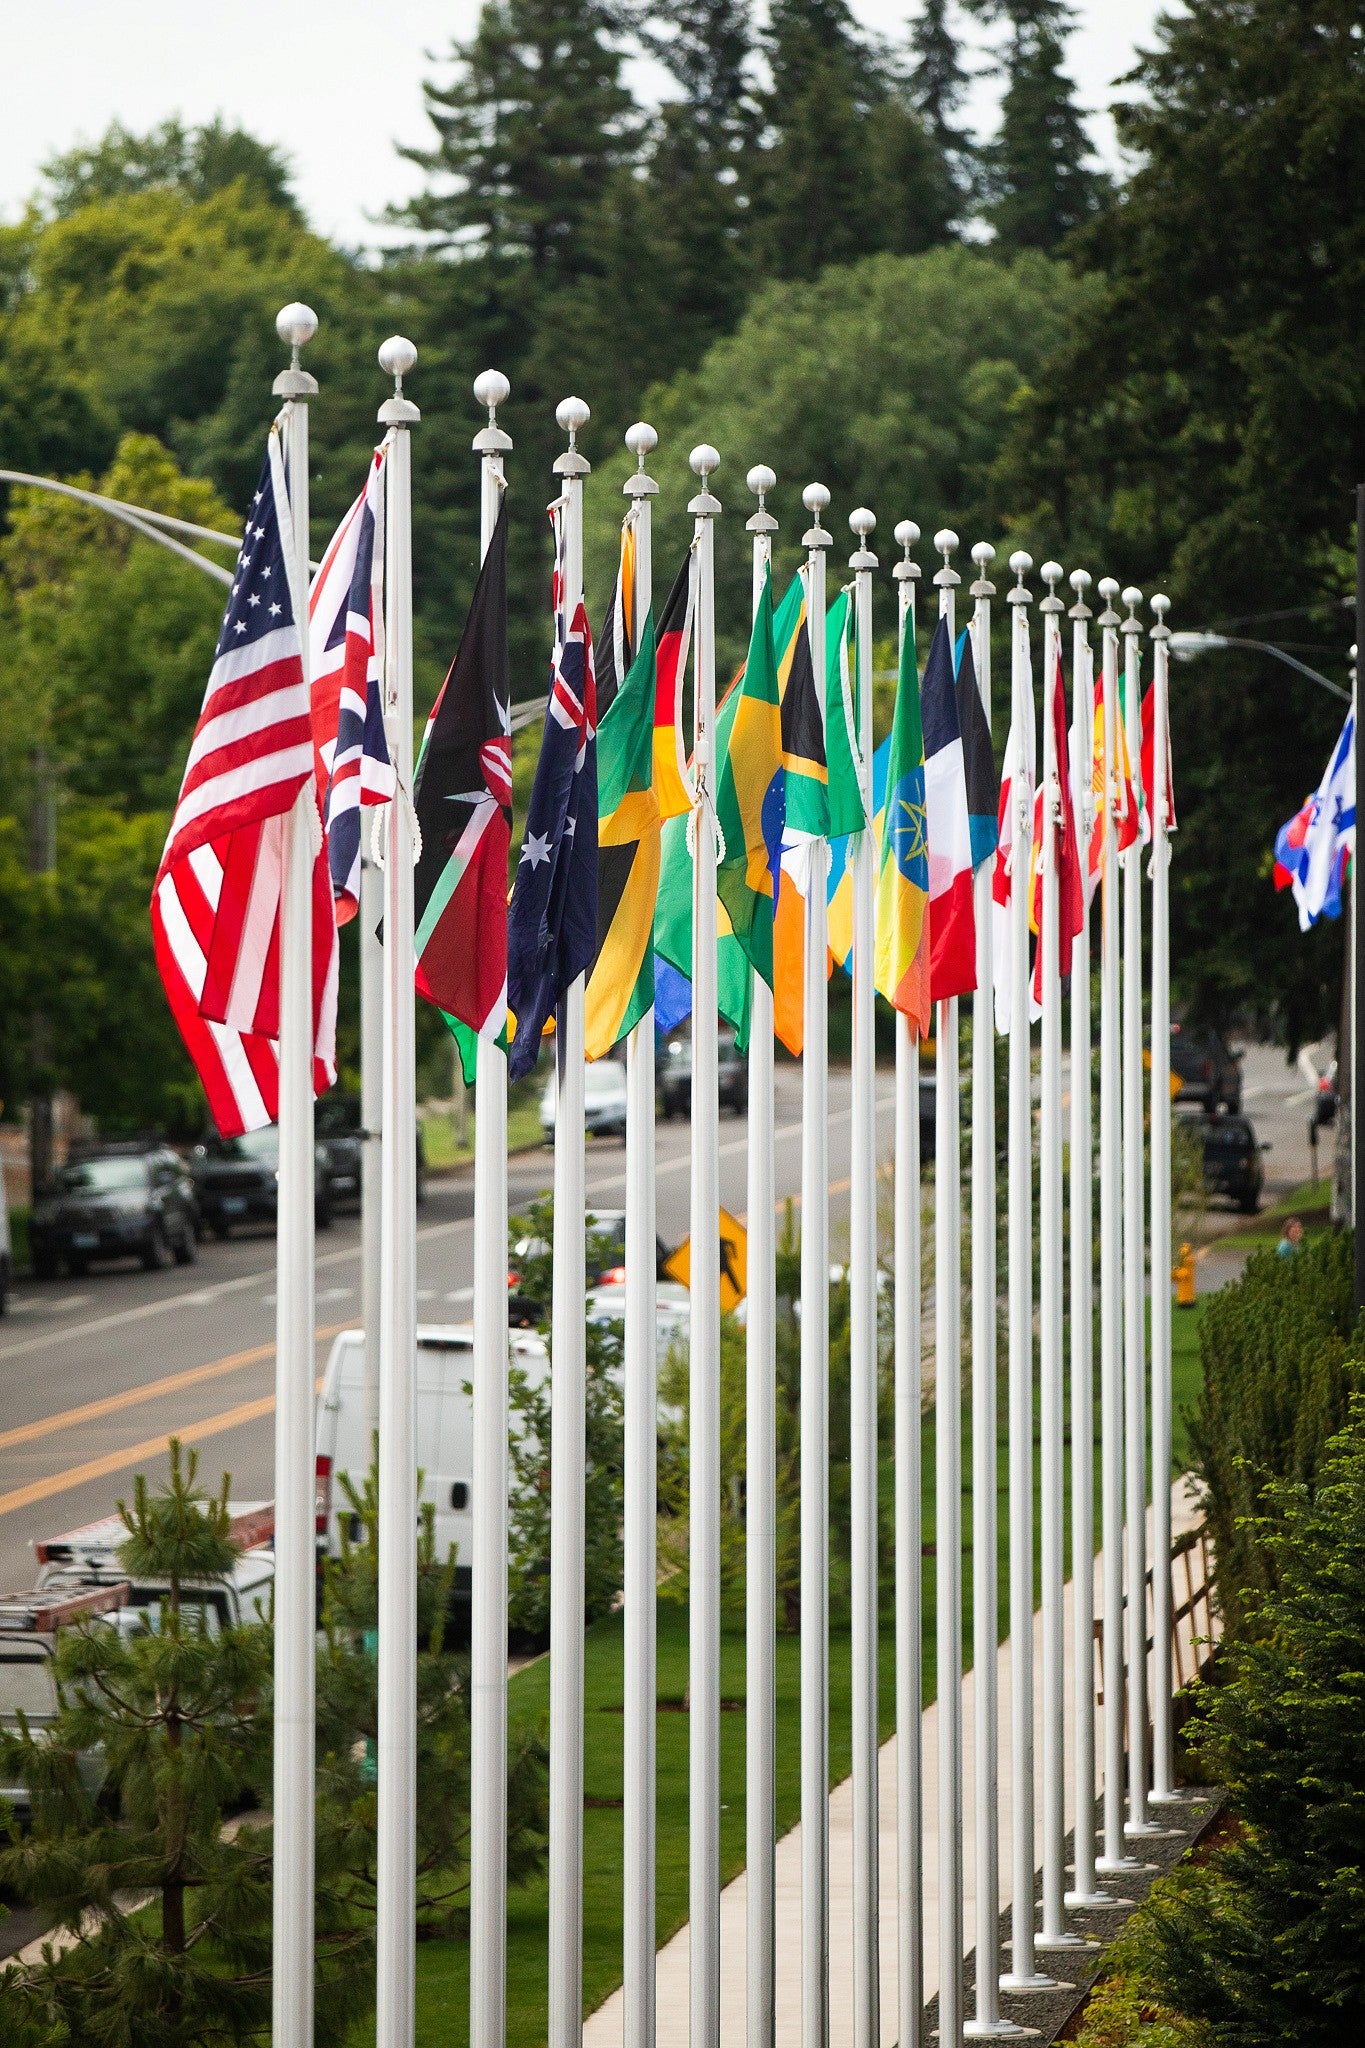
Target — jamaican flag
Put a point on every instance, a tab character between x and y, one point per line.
749	797
621	981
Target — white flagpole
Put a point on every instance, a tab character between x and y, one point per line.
1054	1933
640	1365
1163	1734
948	1458
396	1854
488	1473
1085	1892
1134	1253
371	1126
986	2022
295	1567
760	1458
908	1507
815	1374
704	1376
1115	1856
568	1405
1022	1974
862	1276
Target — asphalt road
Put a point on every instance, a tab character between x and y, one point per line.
96	1374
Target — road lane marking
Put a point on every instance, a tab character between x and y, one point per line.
151	1390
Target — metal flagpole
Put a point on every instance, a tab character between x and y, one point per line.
703	1835
908	1505
1022	1975
948	1458
640	1365
1134	1252
1115	1856
295	1565
862	1274
371	1128
760	1459
396	1852
1163	1733
488	1472
986	2022
1054	1933
1085	1892
568	1405
815	1374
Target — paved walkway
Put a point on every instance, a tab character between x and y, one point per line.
604	2028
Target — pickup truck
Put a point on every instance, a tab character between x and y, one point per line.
29	1624
88	1556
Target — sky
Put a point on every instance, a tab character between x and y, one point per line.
336	82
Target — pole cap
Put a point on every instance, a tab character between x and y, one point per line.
906	533
492	389
296	324
573	415
761	480
815	498
641	440
983	554
704	460
396	357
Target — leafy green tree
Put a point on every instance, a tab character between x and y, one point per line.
1202	431
195	161
1039	175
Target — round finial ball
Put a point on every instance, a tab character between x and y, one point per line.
1161	605
761	479
983	554
1051	572
296	324
945	540
1020	563
1132	595
573	413
491	388
397	355
907	533
703	459
815	497
862	521
1109	588
641	439
1079	579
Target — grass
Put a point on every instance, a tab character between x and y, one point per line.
1311	1203
443	1148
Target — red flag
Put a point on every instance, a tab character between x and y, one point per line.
1147	756
1065	846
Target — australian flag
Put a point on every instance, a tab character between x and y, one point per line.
552	921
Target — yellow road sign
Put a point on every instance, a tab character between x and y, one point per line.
734	1261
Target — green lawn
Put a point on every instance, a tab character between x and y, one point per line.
441	1143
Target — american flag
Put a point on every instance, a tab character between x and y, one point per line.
346	637
216	900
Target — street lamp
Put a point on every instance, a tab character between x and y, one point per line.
1186	645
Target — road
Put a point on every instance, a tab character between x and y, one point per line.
96	1374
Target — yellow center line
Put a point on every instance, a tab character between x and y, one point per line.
151	1390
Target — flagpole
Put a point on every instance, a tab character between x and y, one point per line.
488	1472
1022	1974
396	1849
568	1408
909	1511
760	1458
1115	1857
704	1375
295	1562
1054	1933
986	2023
815	1374
862	1276
640	1365
371	915
1085	1892
1134	1251
1163	1733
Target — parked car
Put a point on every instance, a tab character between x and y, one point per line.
604	1100
673	1071
339	1129
1233	1165
1209	1071
605	1262
6	1247
237	1180
115	1202
29	1624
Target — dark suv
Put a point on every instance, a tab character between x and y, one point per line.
115	1202
340	1132
673	1069
1208	1070
1232	1161
237	1180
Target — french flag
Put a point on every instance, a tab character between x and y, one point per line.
952	920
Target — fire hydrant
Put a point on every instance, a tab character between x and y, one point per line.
1183	1276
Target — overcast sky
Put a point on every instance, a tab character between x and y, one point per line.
334	82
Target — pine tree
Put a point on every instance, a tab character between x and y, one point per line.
937	81
1038	172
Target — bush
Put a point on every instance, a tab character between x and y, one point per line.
1280	1348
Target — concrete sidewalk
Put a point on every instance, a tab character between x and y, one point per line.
605	2027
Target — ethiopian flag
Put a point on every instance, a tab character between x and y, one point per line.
621	980
749	800
902	955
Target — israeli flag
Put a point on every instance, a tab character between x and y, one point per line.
1330	835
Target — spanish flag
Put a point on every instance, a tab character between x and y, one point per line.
621	981
902	955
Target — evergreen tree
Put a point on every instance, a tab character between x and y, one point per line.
1038	172
937	80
